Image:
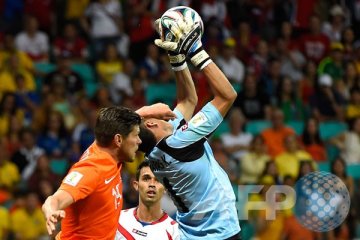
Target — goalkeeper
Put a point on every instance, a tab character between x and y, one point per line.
178	151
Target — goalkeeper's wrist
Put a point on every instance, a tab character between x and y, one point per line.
177	61
200	58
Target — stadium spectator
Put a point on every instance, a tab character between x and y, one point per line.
289	161
271	171
43	180
258	62
101	98
236	141
54	138
44	12
333	64
11	70
9	49
246	41
347	229
326	103
352	110
42	111
109	65
288	101
5	223
147	217
121	85
27	156
63	74
83	134
351	76
265	229
253	163
348	143
336	24
7	111
275	135
71	44
28	222
347	39
312	142
12	140
101	22
232	67
151	62
252	100
26	100
9	174
314	45
308	84
32	41
305	167
271	78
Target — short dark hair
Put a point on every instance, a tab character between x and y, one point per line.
148	140
144	163
114	120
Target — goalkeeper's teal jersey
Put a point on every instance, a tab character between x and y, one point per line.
199	187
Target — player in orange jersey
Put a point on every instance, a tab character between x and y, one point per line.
89	199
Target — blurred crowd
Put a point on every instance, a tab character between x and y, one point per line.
294	63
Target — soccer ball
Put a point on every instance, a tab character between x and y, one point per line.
171	16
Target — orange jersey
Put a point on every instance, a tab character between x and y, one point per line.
96	187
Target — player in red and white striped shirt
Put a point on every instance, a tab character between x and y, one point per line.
148	220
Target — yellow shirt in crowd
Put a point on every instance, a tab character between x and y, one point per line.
289	163
107	70
4	222
28	226
9	175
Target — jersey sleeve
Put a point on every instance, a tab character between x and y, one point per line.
81	181
178	121
199	127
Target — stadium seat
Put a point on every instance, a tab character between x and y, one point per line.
331	129
222	128
91	88
256	127
59	166
42	69
353	170
45	68
332	152
324	166
165	93
85	71
298	126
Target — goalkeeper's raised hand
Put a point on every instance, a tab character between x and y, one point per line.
187	43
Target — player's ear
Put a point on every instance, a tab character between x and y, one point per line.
150	123
118	139
136	185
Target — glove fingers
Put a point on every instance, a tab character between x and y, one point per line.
188	18
183	25
169	46
176	31
157	26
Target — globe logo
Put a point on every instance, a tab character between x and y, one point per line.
322	201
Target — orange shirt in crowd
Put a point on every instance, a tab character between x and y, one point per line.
293	230
274	139
317	152
96	187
